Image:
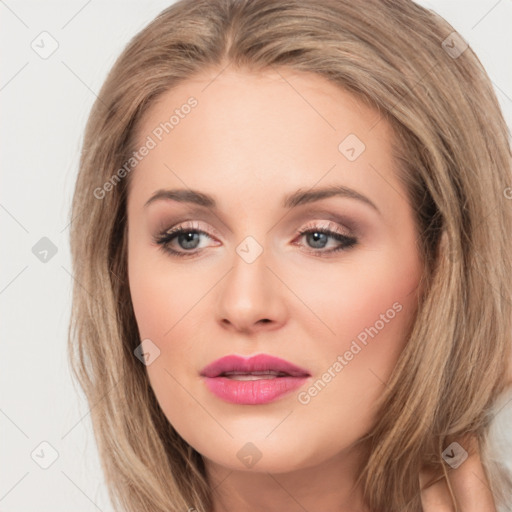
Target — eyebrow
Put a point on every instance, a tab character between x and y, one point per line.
297	198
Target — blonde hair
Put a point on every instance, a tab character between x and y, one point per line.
454	159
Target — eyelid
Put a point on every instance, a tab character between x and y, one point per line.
192	225
349	222
329	225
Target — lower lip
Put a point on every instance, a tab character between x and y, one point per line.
252	392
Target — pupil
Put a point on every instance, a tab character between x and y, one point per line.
317	235
188	238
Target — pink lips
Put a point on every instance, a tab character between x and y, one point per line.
283	377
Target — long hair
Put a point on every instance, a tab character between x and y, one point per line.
453	157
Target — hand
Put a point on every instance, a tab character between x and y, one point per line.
469	484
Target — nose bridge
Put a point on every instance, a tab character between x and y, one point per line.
249	277
249	293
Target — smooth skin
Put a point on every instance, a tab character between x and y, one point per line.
252	140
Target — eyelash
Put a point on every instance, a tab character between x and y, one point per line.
166	237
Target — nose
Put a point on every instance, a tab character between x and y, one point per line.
251	297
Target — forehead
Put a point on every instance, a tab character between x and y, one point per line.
261	132
269	96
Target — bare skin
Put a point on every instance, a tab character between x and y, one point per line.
469	484
250	141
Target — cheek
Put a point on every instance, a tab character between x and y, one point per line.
375	289
162	293
371	321
169	304
369	311
161	300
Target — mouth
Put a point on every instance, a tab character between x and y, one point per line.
259	366
270	374
252	381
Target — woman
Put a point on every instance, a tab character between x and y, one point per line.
291	248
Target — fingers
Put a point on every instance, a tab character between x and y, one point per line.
471	487
468	481
435	497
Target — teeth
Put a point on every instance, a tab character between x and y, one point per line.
269	374
251	377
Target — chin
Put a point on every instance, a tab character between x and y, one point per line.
260	456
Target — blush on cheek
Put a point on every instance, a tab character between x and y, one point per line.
375	328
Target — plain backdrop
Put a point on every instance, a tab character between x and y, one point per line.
45	102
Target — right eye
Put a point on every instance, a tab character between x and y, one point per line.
186	236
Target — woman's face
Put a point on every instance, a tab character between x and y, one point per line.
270	152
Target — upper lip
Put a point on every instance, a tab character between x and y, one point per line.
258	363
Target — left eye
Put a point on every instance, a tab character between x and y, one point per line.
320	236
188	239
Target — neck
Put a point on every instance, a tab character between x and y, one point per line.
329	486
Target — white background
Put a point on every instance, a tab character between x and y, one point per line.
44	107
